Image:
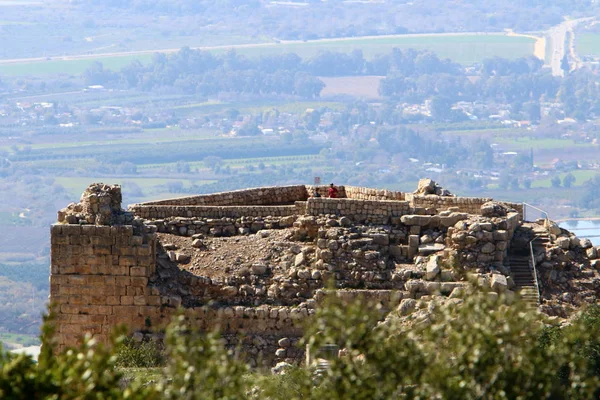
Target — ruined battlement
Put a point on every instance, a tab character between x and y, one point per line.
256	262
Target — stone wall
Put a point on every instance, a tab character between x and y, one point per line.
357	193
470	205
220	227
165	211
358	210
99	278
259	196
362	193
482	241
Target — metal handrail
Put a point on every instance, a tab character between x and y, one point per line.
534	207
535	278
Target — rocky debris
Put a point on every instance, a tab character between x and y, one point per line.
433	268
428	186
100	204
499	283
494	209
281	368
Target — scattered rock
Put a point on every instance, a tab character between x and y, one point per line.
432	268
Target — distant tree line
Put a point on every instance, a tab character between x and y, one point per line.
521	83
353	18
204	73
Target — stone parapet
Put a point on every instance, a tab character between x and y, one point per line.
362	193
358	210
246	197
166	211
436	204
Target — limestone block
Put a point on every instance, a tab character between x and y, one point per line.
499	283
418	220
563	242
413	246
488	248
432	269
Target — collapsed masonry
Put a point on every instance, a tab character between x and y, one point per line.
255	263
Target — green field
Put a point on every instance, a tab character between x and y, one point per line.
19	338
67	67
588	44
465	49
580	178
526	143
150	136
241	162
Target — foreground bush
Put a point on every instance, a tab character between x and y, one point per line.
478	349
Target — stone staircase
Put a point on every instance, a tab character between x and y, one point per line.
522	271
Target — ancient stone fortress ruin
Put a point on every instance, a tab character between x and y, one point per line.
255	263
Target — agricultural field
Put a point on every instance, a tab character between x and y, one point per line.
525	143
67	65
366	87
588	44
463	48
581	176
16	340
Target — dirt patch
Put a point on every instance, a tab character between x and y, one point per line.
219	257
358	86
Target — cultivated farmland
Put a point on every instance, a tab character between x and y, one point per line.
462	48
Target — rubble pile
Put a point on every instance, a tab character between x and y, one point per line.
100	204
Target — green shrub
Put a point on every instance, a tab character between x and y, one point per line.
145	354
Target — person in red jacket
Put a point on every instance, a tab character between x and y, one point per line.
332	191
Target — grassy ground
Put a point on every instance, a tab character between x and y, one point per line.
466	49
68	67
141	375
526	143
581	177
19	338
588	44
155	136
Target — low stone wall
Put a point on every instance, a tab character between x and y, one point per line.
323	190
246	197
471	205
166	211
362	193
518	207
357	193
220	227
483	241
358	210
